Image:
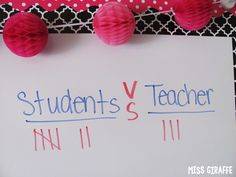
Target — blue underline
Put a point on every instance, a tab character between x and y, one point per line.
70	120
184	112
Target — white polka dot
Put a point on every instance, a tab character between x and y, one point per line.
10	3
99	5
137	6
49	5
23	4
75	5
160	8
131	1
215	11
154	2
166	2
143	1
118	0
87	5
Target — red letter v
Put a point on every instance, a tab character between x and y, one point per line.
128	93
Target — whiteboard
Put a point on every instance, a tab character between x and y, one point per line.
158	106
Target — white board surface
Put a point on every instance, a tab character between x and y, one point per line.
180	114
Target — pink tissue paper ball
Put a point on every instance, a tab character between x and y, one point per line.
25	34
193	14
114	23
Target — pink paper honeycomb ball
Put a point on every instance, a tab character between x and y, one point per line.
25	34
114	23
193	14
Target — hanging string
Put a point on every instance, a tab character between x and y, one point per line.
69	25
136	16
154	13
89	23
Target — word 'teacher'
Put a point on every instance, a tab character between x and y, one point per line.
92	110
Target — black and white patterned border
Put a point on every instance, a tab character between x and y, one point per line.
224	26
152	24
